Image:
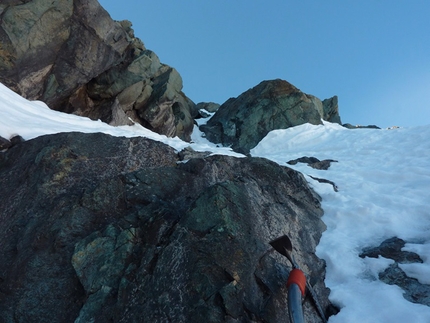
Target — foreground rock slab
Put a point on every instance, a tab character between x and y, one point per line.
95	228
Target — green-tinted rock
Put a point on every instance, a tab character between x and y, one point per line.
243	121
74	57
106	229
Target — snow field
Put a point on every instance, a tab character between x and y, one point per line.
383	178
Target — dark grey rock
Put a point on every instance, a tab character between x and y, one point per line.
304	159
4	143
350	126
323	180
323	164
414	291
243	121
104	229
391	249
331	110
313	162
16	140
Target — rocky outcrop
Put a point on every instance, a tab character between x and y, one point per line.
331	110
414	291
95	228
73	56
243	121
392	249
313	162
350	126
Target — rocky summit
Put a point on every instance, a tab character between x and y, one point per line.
96	228
243	121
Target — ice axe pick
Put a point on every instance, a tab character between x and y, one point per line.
297	282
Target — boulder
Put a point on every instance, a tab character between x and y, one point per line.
208	106
206	109
414	291
74	57
313	162
392	249
350	126
95	228
243	121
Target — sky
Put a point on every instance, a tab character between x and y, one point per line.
383	180
373	54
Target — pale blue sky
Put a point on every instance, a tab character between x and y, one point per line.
375	55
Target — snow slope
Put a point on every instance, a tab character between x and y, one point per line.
383	178
19	116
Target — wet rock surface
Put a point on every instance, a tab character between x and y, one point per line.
98	228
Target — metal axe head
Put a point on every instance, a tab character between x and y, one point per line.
282	245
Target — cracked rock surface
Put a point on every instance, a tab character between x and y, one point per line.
95	228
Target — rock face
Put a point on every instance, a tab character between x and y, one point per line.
73	56
243	121
147	238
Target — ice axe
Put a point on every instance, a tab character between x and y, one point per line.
297	282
